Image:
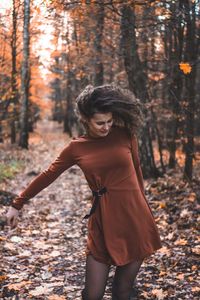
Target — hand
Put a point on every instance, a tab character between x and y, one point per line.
12	217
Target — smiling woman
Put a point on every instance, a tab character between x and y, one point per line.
121	227
125	108
99	125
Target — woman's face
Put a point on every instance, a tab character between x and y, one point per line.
100	124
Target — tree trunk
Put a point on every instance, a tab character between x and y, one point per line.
14	90
25	78
70	81
175	48
191	52
137	80
98	62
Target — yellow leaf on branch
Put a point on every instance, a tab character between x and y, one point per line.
185	67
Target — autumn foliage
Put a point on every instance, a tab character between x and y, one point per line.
147	46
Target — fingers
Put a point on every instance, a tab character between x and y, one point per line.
3	222
12	217
9	220
12	221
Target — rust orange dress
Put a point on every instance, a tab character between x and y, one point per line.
122	229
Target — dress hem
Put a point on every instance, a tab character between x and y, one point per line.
106	262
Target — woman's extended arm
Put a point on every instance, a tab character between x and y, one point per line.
64	161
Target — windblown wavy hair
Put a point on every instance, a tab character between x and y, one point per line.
122	103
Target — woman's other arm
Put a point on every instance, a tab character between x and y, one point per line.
136	161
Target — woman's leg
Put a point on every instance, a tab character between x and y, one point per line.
124	279
95	279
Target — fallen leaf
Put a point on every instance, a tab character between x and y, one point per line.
181	242
184	213
192	197
162	273
195	289
159	293
170	236
196	250
165	250
25	253
18	286
41	290
3	278
9	246
55	253
162	205
56	297
16	239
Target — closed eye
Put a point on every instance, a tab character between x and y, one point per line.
102	123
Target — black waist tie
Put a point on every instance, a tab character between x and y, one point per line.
97	195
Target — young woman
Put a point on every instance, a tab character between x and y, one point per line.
121	227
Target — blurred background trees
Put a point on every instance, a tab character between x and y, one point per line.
151	47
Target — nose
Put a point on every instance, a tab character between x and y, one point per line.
106	126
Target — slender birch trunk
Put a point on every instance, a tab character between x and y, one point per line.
25	78
14	96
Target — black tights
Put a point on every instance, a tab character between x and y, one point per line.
97	275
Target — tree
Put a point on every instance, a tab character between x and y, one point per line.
14	88
191	56
137	80
25	78
98	59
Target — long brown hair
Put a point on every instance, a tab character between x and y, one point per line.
122	103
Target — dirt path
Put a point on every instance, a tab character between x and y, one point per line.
43	259
44	256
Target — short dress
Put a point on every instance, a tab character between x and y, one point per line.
122	229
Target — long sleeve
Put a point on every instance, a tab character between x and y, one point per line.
136	161
64	161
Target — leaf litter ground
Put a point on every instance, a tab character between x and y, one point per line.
44	257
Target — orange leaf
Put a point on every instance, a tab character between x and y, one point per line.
37	9
162	273
196	289
3	278
185	67
192	197
162	205
190	278
18	286
56	297
181	242
164	250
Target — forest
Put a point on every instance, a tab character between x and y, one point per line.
49	51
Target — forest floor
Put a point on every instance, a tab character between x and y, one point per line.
44	257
